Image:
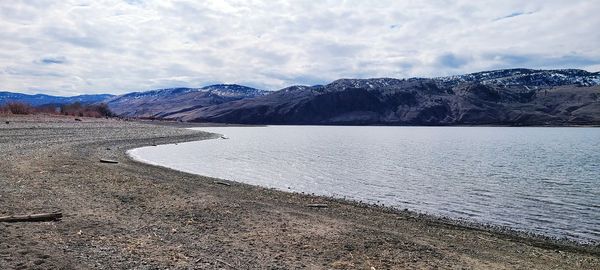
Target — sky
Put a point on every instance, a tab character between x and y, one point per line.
73	47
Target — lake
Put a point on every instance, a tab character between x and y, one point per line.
540	180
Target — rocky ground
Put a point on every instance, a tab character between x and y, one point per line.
135	216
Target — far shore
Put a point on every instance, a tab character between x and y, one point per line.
134	215
173	123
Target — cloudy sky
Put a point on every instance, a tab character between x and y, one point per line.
73	47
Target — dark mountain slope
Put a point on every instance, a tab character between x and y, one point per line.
510	97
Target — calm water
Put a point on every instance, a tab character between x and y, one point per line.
542	180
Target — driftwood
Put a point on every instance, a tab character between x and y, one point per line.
33	218
222	183
223	262
317	205
108	161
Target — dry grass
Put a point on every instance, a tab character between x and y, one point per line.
75	109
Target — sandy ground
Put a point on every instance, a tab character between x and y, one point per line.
135	216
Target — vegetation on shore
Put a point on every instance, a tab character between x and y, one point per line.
73	109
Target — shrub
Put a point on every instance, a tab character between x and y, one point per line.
74	109
18	108
104	110
93	110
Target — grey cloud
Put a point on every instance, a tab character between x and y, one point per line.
451	60
326	48
134	2
295	79
74	37
123	45
50	60
514	14
269	57
30	72
212	60
510	59
542	61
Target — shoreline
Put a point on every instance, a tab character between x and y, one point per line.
137	215
591	246
173	123
505	231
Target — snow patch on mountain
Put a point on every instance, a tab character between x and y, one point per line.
223	90
233	90
525	77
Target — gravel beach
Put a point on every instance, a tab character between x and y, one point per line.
131	215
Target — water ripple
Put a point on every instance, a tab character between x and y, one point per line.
541	180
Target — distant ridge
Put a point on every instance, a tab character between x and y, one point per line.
530	77
162	102
499	97
41	99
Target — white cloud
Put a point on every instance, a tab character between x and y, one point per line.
74	47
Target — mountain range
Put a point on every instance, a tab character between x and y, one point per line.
41	99
500	97
164	102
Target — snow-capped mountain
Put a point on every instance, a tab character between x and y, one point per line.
526	77
233	90
225	90
157	103
507	97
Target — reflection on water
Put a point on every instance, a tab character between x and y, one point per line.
543	180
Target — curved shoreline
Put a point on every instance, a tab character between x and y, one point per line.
540	240
521	235
135	215
128	152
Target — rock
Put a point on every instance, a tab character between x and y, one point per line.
317	205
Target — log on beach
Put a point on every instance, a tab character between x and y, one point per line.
222	183
33	218
317	205
108	161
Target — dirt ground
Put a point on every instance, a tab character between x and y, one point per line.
136	216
